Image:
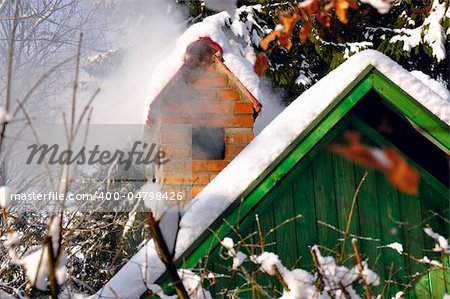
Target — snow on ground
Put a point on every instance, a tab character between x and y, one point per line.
430	32
252	161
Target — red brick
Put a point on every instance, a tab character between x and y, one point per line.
243	108
208	165
239	137
174	136
182	120
205	107
236	121
209	81
176	178
206	94
175	166
173	151
228	95
233	151
218	107
200	178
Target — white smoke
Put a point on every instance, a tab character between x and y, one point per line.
146	32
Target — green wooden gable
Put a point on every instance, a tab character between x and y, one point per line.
309	180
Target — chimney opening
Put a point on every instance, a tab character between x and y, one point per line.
208	143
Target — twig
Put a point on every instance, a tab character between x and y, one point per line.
368	291
280	278
165	255
11	57
261	240
350	215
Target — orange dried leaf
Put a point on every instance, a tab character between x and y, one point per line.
269	38
401	174
357	152
285	41
324	19
342	6
289	22
304	32
398	172
261	64
308	8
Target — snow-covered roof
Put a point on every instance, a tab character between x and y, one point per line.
217	196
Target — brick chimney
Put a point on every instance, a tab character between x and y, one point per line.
204	113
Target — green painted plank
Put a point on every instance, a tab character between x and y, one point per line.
369	222
325	200
413	237
391	231
344	183
431	202
267	223
286	235
303	188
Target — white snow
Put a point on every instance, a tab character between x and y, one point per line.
353	48
303	80
5	197
238	257
268	261
299	281
238	260
157	290
383	6
193	284
426	260
228	243
36	264
396	246
4	116
430	32
337	275
157	206
37	270
217	196
441	243
431	83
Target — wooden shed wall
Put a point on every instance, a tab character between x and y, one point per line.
320	188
